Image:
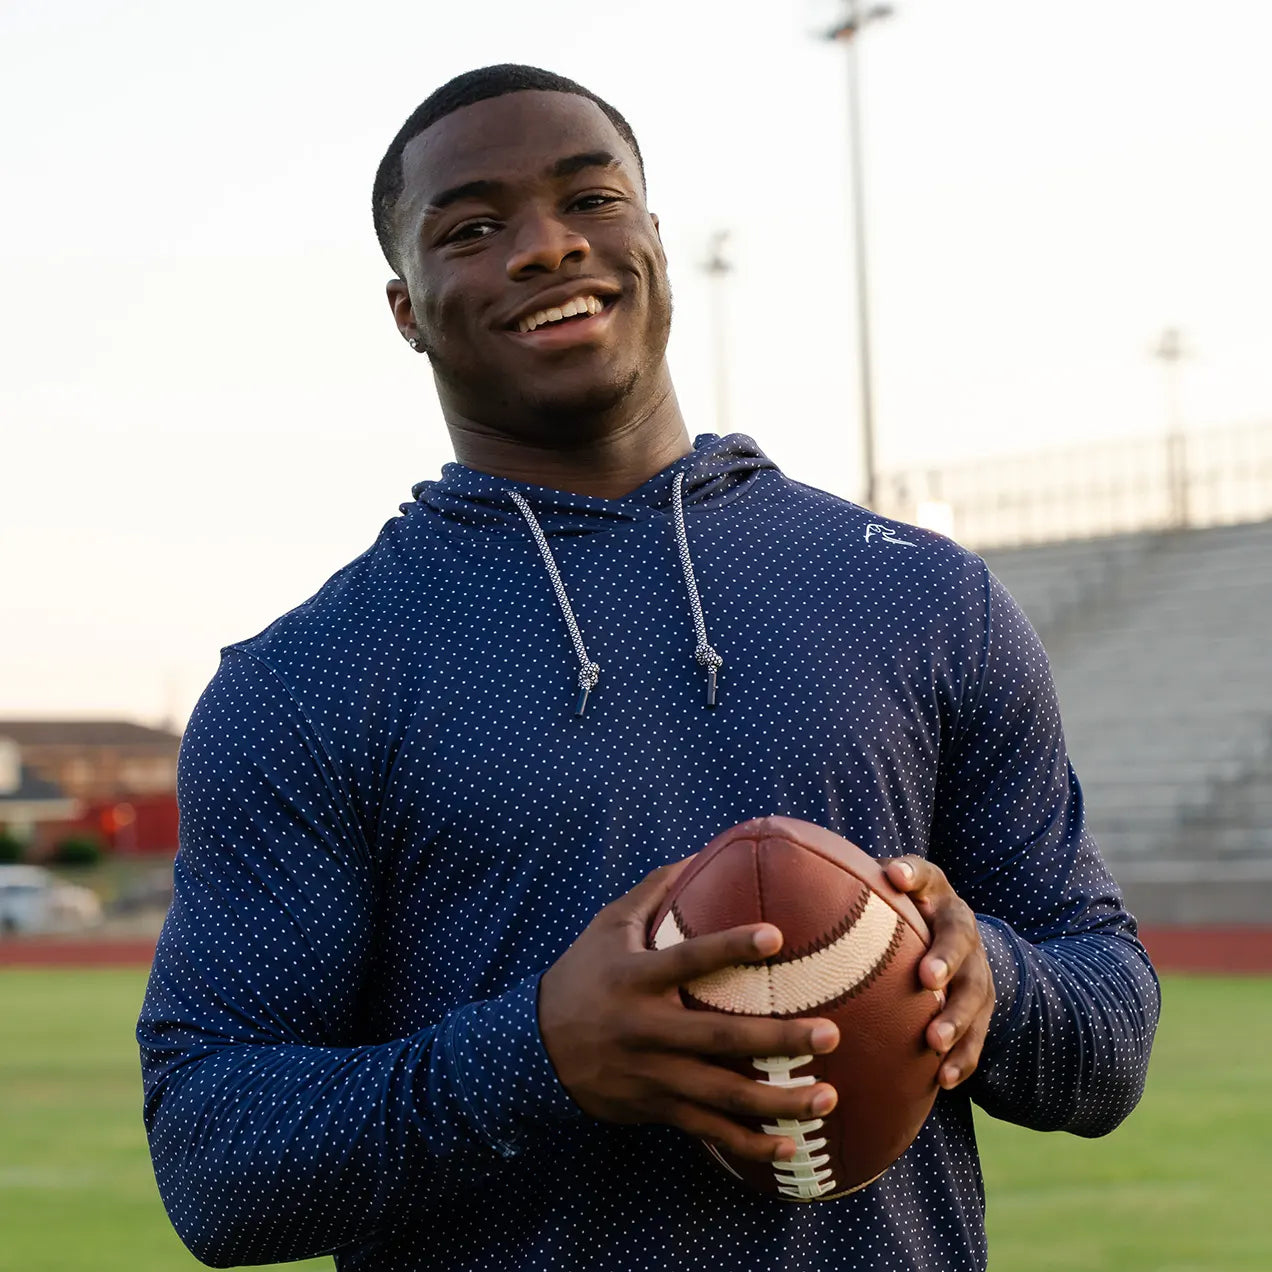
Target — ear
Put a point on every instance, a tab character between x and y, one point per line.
403	314
662	251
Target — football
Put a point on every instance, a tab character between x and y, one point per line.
850	953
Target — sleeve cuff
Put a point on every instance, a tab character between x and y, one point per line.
1009	972
508	1081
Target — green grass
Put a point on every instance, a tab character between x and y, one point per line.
1182	1185
1180	1188
76	1190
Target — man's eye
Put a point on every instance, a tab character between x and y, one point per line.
589	202
471	230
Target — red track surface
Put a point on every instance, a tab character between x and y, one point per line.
66	951
1217	949
1236	949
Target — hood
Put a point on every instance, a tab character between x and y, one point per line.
717	468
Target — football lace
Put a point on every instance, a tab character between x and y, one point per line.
806	1175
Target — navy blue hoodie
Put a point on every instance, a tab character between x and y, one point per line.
392	821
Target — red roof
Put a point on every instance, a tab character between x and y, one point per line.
86	733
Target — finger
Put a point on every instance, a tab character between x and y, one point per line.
916	876
700	955
756	1146
714	1033
954	931
724	1091
971	999
964	1059
955	938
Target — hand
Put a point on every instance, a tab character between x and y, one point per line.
628	1050
955	966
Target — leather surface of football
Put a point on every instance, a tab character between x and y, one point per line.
850	953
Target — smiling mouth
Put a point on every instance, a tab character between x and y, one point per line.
580	308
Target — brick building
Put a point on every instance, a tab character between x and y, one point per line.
27	800
97	761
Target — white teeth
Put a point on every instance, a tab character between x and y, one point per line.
571	309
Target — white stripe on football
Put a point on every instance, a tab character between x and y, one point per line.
799	985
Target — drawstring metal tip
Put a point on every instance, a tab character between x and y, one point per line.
711	662
589	675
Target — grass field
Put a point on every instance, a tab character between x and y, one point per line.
1182	1187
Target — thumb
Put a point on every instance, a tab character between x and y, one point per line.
640	904
903	873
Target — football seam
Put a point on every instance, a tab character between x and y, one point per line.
759	892
877	970
849	920
924	934
909	915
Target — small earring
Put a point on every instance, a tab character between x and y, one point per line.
411	340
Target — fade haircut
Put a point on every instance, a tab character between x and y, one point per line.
464	90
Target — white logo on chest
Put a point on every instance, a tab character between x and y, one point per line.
887	534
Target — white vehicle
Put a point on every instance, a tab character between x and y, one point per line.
32	900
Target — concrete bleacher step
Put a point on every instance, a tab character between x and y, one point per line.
1145	736
1167	774
1161	821
1119	844
1224	842
1149	805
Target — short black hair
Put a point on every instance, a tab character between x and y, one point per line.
464	90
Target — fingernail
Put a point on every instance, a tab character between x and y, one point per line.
908	870
950	1075
823	1102
786	1152
945	1032
767	941
940	969
824	1037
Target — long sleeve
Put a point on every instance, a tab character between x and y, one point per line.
1077	999
274	1133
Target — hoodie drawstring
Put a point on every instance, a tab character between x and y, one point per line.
704	655
590	672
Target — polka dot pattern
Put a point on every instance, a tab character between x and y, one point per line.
393	822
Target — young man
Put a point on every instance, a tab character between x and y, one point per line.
401	1010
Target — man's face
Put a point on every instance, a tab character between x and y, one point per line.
513	208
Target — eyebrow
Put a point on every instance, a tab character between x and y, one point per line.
588	159
469	190
486	188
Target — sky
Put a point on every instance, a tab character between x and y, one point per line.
205	409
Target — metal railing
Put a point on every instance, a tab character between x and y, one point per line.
1211	477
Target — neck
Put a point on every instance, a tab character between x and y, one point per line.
612	457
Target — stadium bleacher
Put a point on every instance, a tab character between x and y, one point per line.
1161	646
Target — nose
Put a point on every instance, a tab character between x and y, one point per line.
543	244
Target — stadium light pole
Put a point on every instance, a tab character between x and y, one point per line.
718	267
845	33
1170	351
